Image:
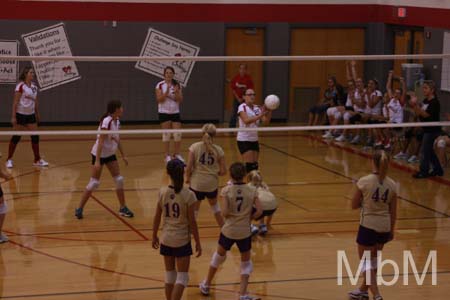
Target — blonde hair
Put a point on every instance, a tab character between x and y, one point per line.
381	162
209	131
255	179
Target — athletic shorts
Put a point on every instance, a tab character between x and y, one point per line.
370	237
243	245
266	213
104	160
202	195
182	251
169	117
319	108
355	118
25	119
247	146
375	121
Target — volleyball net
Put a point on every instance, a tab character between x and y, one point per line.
75	89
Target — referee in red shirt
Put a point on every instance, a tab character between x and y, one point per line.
239	84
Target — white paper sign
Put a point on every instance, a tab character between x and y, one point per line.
161	44
445	75
51	41
8	68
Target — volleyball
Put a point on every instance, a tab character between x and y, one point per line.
272	102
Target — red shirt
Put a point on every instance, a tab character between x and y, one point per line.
241	84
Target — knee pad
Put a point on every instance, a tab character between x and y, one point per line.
182	278
215	208
93	184
35	139
441	143
347	116
251	166
371	264
331	111
337	115
217	260
374	263
246	267
119	182
3	208
166	137
177	136
171	277
15	139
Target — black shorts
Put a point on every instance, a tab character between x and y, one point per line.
169	117
25	119
244	245
266	213
1	192
202	195
182	251
375	121
370	237
355	118
104	160
349	108
248	146
319	108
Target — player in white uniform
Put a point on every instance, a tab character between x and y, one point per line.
169	96
376	196
239	205
373	113
206	163
176	206
250	116
104	153
269	203
25	116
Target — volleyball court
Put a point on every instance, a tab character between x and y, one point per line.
86	220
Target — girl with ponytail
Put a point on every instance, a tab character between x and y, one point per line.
206	162
376	196
104	153
176	206
268	202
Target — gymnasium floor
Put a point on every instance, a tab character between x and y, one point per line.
52	255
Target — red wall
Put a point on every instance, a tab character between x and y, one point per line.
157	12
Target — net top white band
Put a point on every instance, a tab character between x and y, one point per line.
227	58
221	130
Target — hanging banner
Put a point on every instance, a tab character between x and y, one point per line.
161	44
8	68
51	41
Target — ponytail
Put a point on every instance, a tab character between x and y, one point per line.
255	178
209	131
111	108
381	162
175	169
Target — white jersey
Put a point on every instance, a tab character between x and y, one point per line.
356	107
349	102
376	110
26	105
111	141
248	136
169	105
395	111
377	197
